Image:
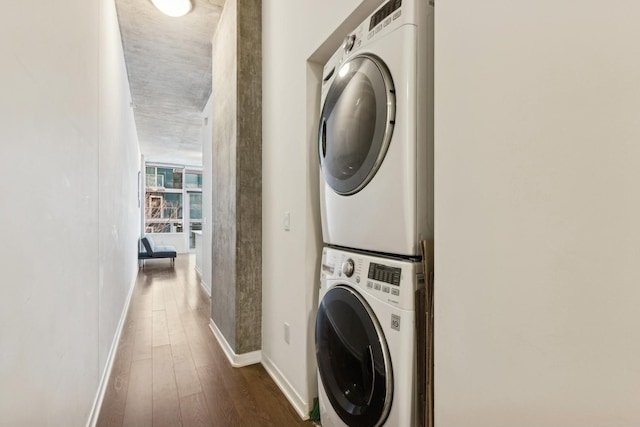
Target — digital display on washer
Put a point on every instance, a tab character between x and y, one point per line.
385	11
383	273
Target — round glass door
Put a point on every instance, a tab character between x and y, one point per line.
356	123
353	358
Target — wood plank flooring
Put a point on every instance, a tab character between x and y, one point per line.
170	369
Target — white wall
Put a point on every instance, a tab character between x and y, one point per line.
119	163
68	147
537	214
292	32
207	156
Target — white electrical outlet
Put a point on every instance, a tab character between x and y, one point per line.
287	221
287	333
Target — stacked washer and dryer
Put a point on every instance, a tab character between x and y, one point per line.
375	145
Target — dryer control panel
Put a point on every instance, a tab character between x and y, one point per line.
385	11
388	17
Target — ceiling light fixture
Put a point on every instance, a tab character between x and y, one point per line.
173	8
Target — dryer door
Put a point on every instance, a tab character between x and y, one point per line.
356	123
353	358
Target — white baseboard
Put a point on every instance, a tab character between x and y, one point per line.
206	288
302	408
198	271
104	381
236	360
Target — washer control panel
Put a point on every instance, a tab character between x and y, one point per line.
384	273
348	267
391	280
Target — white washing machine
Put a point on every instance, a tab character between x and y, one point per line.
365	340
375	136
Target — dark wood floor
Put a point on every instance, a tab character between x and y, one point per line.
170	369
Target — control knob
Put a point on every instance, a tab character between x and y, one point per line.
348	43
348	267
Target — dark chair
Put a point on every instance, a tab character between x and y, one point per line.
153	251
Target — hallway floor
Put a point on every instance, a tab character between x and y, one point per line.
170	370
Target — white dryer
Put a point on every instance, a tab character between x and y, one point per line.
365	340
375	137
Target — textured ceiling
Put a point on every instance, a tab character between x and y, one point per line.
169	66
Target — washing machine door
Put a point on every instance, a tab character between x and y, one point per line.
353	358
356	123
